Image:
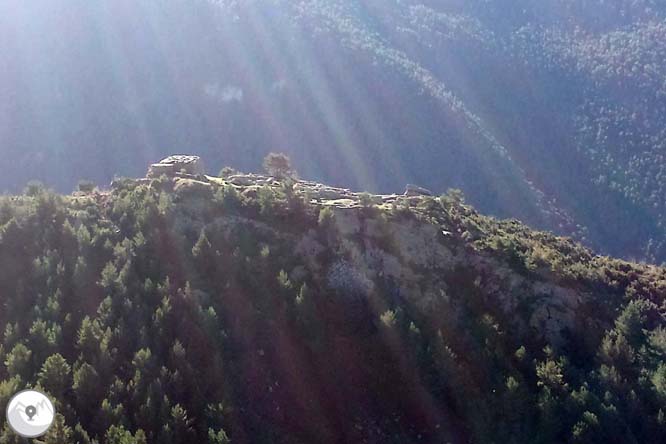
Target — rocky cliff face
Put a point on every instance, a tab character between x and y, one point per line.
419	245
482	291
177	164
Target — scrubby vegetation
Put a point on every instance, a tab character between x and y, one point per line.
173	312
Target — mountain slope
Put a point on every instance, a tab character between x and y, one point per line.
201	309
547	111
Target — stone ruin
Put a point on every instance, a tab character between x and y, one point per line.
177	164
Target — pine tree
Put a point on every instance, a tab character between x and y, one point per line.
18	361
87	390
80	435
44	338
59	433
181	425
7	436
218	437
117	434
9	388
89	335
55	375
278	165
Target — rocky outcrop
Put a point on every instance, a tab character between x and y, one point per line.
319	191
176	164
246	180
415	190
418	256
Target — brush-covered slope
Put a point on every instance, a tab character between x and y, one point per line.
260	311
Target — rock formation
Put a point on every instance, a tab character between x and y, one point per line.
415	190
175	164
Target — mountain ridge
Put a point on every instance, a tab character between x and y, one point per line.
259	309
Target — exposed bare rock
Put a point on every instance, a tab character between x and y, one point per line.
557	311
330	193
341	203
347	222
415	190
191	185
419	244
245	180
180	163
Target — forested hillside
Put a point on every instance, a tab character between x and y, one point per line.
255	310
550	111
